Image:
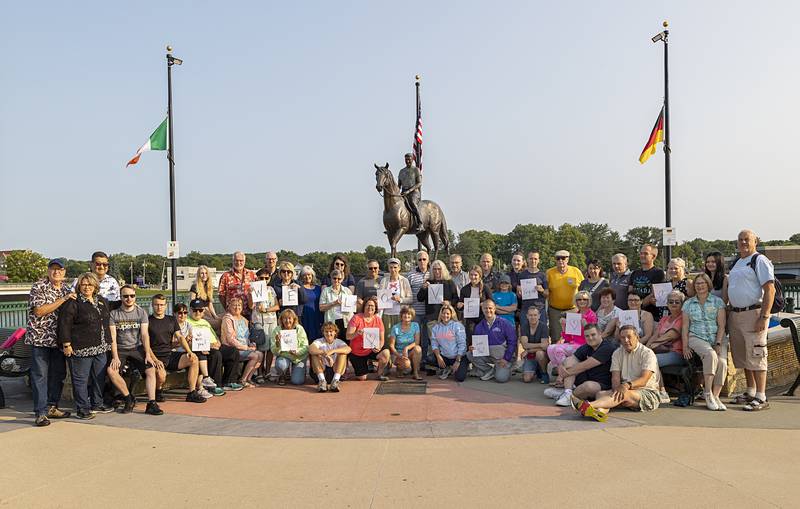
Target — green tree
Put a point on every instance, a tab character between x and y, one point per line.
25	266
635	238
527	237
473	243
601	243
795	239
77	267
377	253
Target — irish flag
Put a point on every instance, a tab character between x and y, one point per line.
157	141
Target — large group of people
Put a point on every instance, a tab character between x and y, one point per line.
596	341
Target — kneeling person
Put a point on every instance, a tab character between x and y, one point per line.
329	358
165	332
588	370
634	379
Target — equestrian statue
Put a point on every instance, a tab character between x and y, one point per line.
405	213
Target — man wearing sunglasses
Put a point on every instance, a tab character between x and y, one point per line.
109	287
130	342
368	285
563	281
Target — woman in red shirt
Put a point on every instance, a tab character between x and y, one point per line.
359	356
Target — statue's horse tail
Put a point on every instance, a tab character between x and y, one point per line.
445	235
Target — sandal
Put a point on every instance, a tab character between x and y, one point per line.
247	384
756	405
383	378
742	399
417	377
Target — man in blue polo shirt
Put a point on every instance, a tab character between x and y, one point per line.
502	346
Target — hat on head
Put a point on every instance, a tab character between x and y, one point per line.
197	304
393	260
562	252
57	261
505	278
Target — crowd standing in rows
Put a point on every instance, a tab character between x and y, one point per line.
405	325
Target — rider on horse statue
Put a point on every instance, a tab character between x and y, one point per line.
410	180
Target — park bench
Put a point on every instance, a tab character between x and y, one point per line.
687	373
792	324
15	361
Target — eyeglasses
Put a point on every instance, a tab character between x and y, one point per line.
264	278
98	264
129	296
373	268
338	264
337	278
422	259
286	272
673	302
562	257
183	312
580	300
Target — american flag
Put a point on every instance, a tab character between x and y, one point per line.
417	146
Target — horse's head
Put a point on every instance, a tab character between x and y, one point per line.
383	177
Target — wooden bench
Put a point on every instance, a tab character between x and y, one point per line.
792	324
19	354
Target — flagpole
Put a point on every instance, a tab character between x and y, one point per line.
417	147
171	158
667	151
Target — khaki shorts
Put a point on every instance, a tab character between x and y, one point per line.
648	400
748	348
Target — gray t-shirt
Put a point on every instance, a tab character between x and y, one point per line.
128	325
367	288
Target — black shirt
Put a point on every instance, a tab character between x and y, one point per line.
600	374
642	283
161	331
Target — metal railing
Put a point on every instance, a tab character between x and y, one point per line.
791	292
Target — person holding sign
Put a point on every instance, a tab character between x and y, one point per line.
607	312
361	354
645	325
435	291
396	288
211	370
290	295
570	340
199	343
264	320
290	348
642	279
531	290
331	300
236	336
474	290
329	358
449	345
502	346
404	344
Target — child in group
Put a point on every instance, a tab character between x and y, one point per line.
505	300
329	358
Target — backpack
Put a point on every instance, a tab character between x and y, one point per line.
779	302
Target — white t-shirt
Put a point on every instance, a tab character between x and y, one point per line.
745	284
327	347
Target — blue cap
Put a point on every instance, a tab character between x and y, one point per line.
57	261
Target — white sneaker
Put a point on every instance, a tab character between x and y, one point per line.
445	373
489	375
204	393
553	392
663	397
565	399
209	383
720	405
711	402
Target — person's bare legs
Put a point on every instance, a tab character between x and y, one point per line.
541	358
416	360
150	383
587	390
760	381
605	400
117	381
192	368
253	360
317	366
569	381
383	361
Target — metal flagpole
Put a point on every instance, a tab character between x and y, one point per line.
171	157
664	36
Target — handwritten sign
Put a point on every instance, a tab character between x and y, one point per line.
258	291
349	303
480	346
472	307
372	338
201	339
661	292
288	340
385	299
288	296
435	293
529	291
573	324
629	317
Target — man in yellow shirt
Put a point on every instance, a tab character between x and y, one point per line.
563	281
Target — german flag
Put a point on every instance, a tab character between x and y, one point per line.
656	136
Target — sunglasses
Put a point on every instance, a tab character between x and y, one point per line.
96	264
373	268
195	311
129	296
183	312
578	300
562	257
673	302
422	259
265	278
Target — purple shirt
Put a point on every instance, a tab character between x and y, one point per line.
500	333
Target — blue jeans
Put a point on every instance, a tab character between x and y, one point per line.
669	359
86	371
285	366
48	371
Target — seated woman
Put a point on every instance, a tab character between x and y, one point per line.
181	314
331	299
236	335
404	344
211	370
606	313
449	345
534	342
568	343
703	333
329	358
439	275
359	356
666	342
290	363
645	327
264	321
84	337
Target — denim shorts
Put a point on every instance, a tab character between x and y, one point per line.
530	366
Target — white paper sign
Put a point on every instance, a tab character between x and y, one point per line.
573	326
385	299
288	296
258	291
435	293
172	250
349	303
288	340
372	338
201	339
480	346
669	237
661	292
472	307
529	291
629	317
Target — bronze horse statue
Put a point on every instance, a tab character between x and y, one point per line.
398	219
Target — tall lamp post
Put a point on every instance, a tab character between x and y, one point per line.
171	60
664	36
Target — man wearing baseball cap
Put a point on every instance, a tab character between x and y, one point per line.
48	365
563	281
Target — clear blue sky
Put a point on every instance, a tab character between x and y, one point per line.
534	112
